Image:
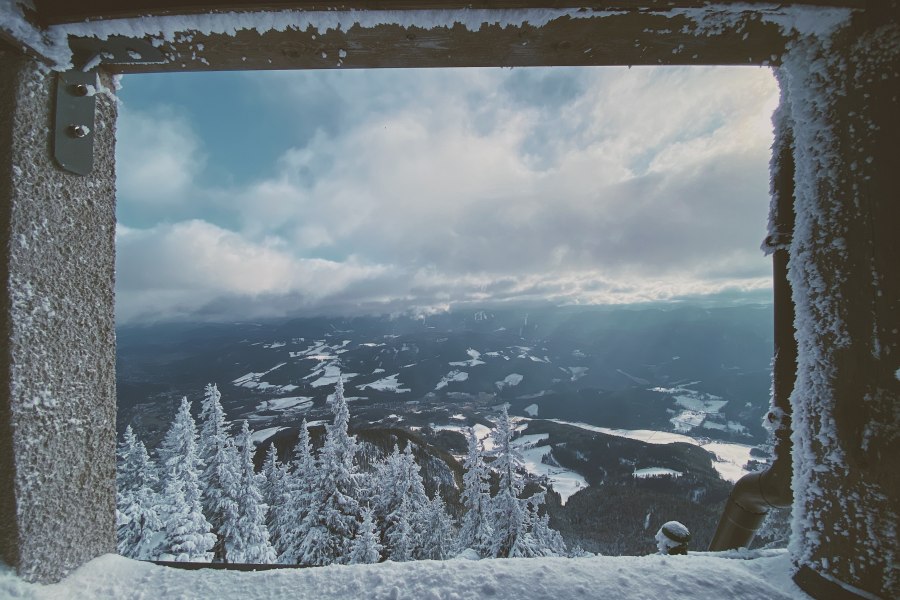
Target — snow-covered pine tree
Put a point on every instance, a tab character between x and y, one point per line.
475	531
400	540
335	512
437	531
215	432
226	503
243	510
291	528
525	545
127	465
275	493
507	511
188	533
400	496
537	538
365	548
137	516
549	540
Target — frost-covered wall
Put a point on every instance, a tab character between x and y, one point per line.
57	404
842	96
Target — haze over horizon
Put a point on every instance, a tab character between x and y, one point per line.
270	194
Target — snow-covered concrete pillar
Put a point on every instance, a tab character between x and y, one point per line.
843	92
57	395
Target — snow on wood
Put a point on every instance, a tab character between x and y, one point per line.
697	576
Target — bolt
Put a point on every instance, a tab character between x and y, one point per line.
78	131
79	89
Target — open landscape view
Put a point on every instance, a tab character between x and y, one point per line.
438	300
425	314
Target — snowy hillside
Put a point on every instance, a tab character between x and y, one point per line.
601	398
699	372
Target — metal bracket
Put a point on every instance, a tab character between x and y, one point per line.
73	129
73	126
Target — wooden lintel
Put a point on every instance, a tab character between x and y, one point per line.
624	39
67	11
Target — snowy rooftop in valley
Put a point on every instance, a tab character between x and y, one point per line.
701	576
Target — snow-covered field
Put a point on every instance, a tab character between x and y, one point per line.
262	435
511	380
687	420
729	460
698	576
282	404
655	472
386	384
254	381
482	432
455	375
696	406
564	481
328	374
474	359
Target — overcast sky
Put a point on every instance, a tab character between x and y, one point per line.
249	195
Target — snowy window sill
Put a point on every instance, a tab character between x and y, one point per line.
698	576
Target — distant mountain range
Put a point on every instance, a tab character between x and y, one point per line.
600	394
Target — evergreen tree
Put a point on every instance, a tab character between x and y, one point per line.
215	433
507	517
400	497
275	494
536	537
291	526
137	516
226	503
243	510
334	511
437	532
365	548
401	539
475	531
549	540
188	533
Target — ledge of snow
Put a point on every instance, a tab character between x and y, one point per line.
695	577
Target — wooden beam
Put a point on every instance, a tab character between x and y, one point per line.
67	11
20	28
629	38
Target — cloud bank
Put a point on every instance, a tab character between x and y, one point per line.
418	190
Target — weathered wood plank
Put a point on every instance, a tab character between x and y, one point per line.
624	39
67	11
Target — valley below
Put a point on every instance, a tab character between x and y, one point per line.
629	417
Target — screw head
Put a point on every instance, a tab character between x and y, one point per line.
78	131
79	89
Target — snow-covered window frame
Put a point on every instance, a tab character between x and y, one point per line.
838	69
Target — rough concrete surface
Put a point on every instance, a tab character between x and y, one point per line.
57	404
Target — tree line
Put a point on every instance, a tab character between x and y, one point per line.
201	499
